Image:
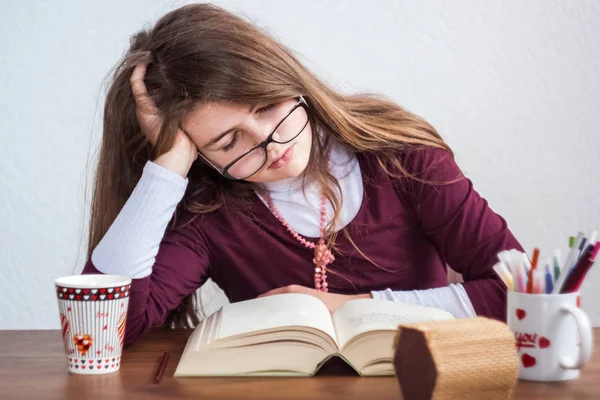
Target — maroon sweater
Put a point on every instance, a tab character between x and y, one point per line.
410	229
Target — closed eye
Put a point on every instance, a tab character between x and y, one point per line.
266	108
231	144
261	110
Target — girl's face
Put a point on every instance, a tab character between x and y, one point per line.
225	132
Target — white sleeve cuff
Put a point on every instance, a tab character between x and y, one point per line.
452	298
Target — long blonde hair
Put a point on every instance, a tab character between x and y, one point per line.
203	53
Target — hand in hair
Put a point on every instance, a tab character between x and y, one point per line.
331	300
180	157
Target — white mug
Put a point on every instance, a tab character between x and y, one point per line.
553	335
93	314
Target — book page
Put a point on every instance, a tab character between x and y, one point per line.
363	315
277	311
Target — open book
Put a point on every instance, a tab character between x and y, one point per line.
295	334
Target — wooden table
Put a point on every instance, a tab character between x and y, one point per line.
32	366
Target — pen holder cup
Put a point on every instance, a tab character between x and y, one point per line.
553	335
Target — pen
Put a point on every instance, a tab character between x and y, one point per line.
162	363
581	247
566	267
591	242
576	277
586	243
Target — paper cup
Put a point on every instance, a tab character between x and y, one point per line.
93	312
553	335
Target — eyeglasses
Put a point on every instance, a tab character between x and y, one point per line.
249	163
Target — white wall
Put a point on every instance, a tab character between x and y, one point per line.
513	86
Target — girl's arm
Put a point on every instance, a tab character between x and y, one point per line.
461	225
164	268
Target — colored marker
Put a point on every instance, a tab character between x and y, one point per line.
505	275
549	280
571	241
522	276
556	262
534	261
521	258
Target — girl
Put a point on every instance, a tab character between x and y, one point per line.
222	156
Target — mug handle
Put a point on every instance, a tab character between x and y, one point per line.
585	337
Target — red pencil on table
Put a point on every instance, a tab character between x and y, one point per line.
161	367
577	275
534	261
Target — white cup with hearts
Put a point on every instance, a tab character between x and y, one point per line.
553	335
93	315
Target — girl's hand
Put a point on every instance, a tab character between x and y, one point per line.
180	157
331	300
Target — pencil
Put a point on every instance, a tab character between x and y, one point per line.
162	363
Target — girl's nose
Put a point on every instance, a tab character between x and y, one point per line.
271	147
260	134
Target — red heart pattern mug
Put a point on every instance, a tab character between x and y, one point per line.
553	335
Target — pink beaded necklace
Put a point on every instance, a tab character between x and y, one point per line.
322	255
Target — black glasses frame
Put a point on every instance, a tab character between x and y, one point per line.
224	171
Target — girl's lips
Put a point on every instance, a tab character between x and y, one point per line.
284	159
